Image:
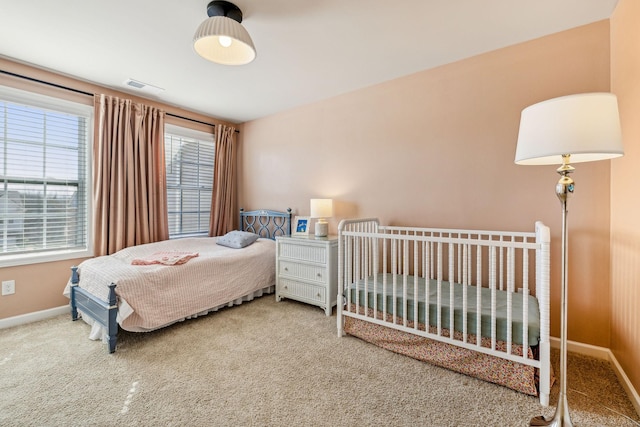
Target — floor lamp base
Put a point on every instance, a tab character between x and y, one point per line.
560	419
541	421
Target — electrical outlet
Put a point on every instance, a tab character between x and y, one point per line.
8	287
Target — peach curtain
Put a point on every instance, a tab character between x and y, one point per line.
223	199
129	187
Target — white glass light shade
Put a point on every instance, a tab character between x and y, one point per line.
321	208
586	126
207	42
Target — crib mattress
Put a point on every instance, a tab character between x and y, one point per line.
357	291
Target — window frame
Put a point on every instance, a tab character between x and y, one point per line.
189	133
49	103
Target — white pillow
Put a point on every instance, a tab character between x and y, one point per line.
237	239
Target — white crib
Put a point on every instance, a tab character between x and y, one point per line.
405	281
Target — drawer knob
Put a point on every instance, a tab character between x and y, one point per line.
319	274
286	269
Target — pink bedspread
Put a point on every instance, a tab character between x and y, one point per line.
157	295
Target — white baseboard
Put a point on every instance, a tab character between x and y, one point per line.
626	383
584	349
10	322
604	354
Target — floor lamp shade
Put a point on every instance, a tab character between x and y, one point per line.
585	126
575	128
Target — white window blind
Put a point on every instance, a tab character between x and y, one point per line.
44	191
189	156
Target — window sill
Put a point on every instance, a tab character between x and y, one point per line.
27	259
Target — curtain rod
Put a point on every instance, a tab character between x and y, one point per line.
31	79
82	92
194	120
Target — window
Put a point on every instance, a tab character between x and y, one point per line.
189	156
44	191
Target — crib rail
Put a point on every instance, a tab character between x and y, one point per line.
385	271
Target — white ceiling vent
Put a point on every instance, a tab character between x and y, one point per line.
143	87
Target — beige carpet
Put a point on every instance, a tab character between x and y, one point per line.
263	364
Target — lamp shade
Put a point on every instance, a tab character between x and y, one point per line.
321	208
222	38
224	41
585	126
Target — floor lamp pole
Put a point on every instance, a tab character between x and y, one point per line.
564	188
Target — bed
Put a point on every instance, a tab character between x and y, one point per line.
151	286
476	302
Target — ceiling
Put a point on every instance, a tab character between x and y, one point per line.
307	50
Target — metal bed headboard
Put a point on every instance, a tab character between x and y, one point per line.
266	223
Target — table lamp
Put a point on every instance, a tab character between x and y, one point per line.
322	209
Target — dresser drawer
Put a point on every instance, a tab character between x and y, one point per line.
302	290
302	271
317	254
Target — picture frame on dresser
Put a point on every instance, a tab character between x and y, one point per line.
300	226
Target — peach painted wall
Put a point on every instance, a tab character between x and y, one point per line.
625	197
436	148
39	286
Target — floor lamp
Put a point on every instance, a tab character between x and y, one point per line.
575	128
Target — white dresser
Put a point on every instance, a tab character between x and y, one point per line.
307	270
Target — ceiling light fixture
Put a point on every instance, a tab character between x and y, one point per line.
221	38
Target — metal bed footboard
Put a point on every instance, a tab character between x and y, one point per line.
103	312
